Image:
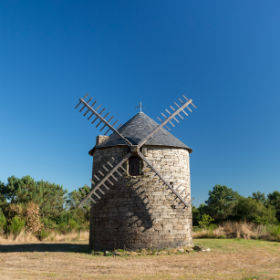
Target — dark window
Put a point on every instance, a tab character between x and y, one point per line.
135	166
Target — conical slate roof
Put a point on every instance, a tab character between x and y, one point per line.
139	127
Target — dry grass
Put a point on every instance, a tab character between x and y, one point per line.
228	259
53	237
241	230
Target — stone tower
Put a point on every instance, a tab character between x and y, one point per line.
138	211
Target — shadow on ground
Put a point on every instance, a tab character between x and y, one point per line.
45	247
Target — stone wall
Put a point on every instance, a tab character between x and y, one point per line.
139	212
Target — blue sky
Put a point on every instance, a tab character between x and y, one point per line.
223	54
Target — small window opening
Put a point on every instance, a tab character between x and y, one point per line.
135	166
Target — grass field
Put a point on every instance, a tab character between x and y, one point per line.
228	259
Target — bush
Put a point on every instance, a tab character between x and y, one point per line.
43	234
16	226
274	231
252	210
3	222
62	227
14	209
274	200
205	221
73	225
66	227
198	212
49	224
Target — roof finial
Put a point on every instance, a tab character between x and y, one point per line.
140	106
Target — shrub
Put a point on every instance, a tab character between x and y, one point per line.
72	225
49	224
252	210
205	221
16	226
3	222
14	209
198	212
68	226
274	231
274	200
62	227
43	234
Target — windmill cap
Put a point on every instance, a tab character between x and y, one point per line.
137	128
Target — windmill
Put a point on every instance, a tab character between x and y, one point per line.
126	161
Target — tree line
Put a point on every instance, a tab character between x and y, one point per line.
41	207
225	204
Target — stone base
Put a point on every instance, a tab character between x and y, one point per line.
140	212
122	220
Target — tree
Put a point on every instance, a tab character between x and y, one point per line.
81	215
2	195
51	199
48	196
20	190
274	200
259	197
76	196
253	210
197	213
205	221
3	222
221	203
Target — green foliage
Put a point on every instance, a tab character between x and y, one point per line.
43	234
221	203
16	226
2	192
274	231
57	210
49	197
260	197
73	225
62	228
274	200
3	222
224	204
74	198
205	221
13	210
196	215
253	210
68	223
65	227
199	212
49	224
